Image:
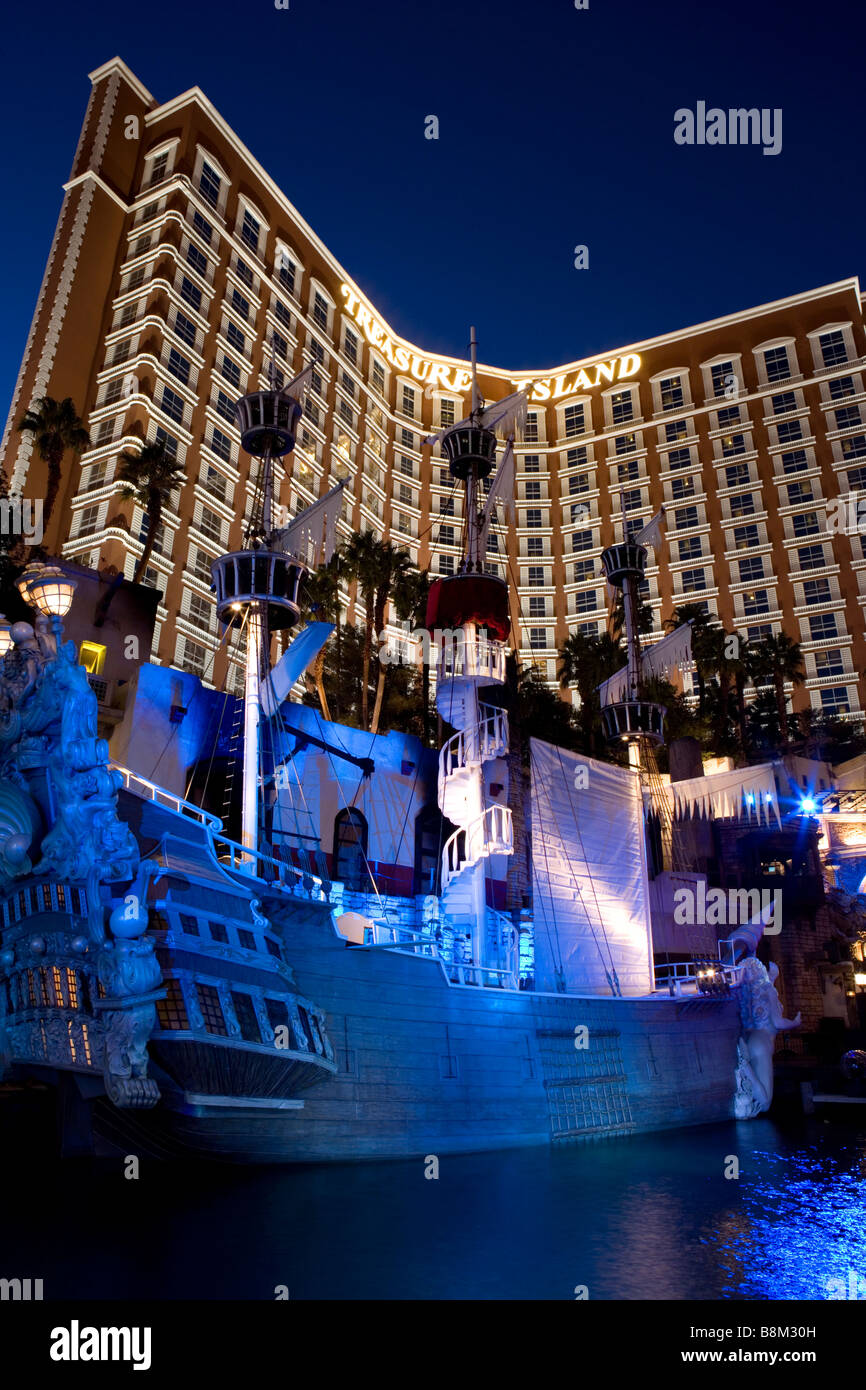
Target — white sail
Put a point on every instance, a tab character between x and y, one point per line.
740	794
652	532
672	653
298	387
508	415
312	536
501	490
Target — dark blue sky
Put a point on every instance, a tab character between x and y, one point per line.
556	128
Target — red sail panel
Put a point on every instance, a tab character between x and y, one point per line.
469	598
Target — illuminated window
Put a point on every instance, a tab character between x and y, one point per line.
171	1011
211	1008
72	988
91	655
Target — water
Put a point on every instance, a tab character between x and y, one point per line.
650	1217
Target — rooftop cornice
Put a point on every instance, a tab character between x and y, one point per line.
195	96
119	66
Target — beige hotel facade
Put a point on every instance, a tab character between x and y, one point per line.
178	266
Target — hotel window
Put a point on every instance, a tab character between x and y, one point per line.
800	492
320	310
805	524
743	504
685	517
211	1008
530	428
168	441
574	417
625	443
201	611
751	569
209	184
538	638
533	517
197	259
745	537
679	458
194	658
683	487
378	377
755	602
847	416
671	393
251	231
231	371
281	345
822	626
583	569
729	416
446	535
446	564
691	548
446	506
816	591
407	438
587	629
631	500
282	314
840	388
535	576
210	524
537	606
171	1011
406	495
350	346
534	546
776	363
89	520
221	444
578	483
737	474
574	457
581	540
628	472
676	429
408	402
829	663
733	444
245	1013
722	377
347	414
579	511
833	349
621	408
533	490
190	293
240	304
532	463
693	581
203	227
857	478
185	328
795	461
586	602
236	338
835	700
407	467
172	404
244	273
158	168
789	430
811	557
286	273
759	633
785	402
179	366
855	447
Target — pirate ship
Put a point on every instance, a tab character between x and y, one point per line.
252	999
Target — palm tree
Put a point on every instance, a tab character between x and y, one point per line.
780	659
393	563
585	662
56	426
359	559
694	614
320	602
411	592
742	668
149	478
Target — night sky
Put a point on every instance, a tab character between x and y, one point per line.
555	129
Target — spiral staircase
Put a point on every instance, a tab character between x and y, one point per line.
485	945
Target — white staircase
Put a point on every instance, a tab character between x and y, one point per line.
485	947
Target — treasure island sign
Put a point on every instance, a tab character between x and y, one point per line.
551	388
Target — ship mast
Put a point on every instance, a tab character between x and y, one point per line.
257	587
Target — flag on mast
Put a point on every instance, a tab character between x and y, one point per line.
652	532
501	490
312	536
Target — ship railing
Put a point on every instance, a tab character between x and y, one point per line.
490	833
681	976
252	863
482	657
485	740
459	972
151	791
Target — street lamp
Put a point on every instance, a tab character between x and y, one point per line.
49	589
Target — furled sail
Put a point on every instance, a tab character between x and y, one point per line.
506	416
298	387
740	794
312	536
501	490
671	653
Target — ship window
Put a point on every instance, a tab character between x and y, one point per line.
211	1008
305	1024
245	1012
430	835
171	1011
278	1014
273	948
246	939
218	931
350	849
188	924
56	981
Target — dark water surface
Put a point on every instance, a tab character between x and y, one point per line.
650	1217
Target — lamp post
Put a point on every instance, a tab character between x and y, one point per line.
50	590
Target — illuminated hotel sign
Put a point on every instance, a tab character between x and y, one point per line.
456	379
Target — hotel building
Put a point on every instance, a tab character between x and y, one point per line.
178	266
